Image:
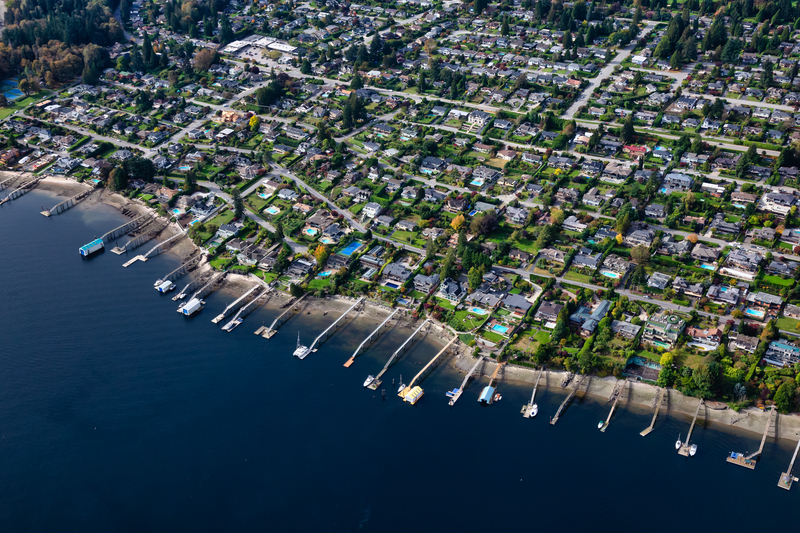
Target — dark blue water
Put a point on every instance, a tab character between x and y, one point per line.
118	414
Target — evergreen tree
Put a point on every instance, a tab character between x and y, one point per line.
357	82
238	203
504	28
628	132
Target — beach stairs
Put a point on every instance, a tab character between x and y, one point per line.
750	460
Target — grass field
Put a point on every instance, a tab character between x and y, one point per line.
575	276
491	336
777	280
788	324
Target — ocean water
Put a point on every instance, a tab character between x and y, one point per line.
119	414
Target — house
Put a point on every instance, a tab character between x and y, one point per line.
616	264
299	268
479	118
743	198
588	318
425	284
663	330
723	295
372	210
548	312
658	280
766	300
396	272
640	237
516	303
585	259
655	211
782	353
432	164
708	339
519	255
573	224
720	225
553	254
676	182
625	329
701	252
739	341
227	230
516	215
455	205
742	264
451	290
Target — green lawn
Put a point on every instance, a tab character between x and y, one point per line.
222	218
18	105
441	302
575	276
542	337
319	283
406	236
777	280
788	324
494	337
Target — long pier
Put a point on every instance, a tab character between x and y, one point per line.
127	227
248	308
786	479
68	203
426	367
182	269
22	189
685	447
148	235
236	304
459	391
527	410
370	338
5	183
616	394
215	280
567	400
748	461
267	333
322	337
658	401
200	280
403	347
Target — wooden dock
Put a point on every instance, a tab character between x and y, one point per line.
527	410
616	394
129	262
273	328
403	347
460	390
786	479
658	401
567	400
261	330
685	447
370	338
749	460
426	367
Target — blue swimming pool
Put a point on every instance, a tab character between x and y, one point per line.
740	206
324	274
500	329
754	312
193	222
392	285
272	210
708	267
184	168
478	311
311	231
176	211
351	248
473	212
609	274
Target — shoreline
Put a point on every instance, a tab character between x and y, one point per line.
640	395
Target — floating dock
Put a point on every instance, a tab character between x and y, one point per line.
322	337
749	461
412	393
658	401
403	347
786	479
567	400
370	338
527	410
281	319
685	446
487	394
456	393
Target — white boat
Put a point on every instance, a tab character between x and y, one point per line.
369	381
534	410
693	450
301	351
678	443
600	425
402	385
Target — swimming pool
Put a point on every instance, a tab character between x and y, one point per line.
324	274
754	312
193	222
473	212
263	195
609	274
663	190
500	329
272	210
740	206
478	311
351	248
311	231
403	301
708	267
184	168
327	240
392	285
95	180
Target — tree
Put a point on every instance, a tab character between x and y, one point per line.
504	28
556	216
204	58
619	238
296	290
475	277
321	254
118	179
627	134
448	264
225	31
785	396
692	238
305	67
238	203
766	76
457	222
640	254
140	168
357	82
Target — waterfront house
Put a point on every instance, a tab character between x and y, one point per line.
782	353
625	329
663	330
739	341
548	312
